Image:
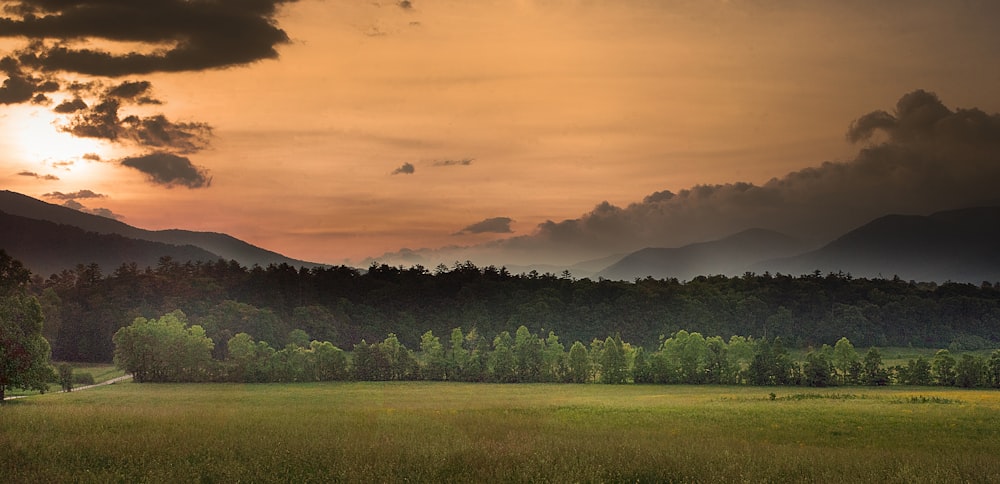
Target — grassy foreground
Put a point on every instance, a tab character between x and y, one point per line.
448	432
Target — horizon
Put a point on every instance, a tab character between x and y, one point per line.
535	132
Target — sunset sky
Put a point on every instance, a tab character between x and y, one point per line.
525	130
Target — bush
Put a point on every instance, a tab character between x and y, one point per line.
83	379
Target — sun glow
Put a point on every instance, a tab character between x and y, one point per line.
36	138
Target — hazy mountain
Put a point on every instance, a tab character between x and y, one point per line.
730	256
46	247
222	245
957	245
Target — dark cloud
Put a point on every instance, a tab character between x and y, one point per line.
103	121
460	162
169	170
129	89
405	169
495	225
67	107
405	4
188	34
74	195
18	87
36	175
92	157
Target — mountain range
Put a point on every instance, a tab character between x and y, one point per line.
732	255
48	238
957	245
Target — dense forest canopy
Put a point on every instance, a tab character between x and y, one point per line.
343	305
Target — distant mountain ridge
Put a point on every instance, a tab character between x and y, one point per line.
955	245
48	248
219	245
729	256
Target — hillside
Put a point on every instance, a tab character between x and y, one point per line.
730	256
224	246
957	245
46	248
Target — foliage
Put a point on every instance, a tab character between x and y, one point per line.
164	349
345	305
24	352
65	372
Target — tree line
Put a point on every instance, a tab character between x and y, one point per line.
83	308
170	349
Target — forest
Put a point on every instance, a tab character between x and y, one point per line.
84	308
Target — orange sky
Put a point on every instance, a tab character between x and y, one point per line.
529	110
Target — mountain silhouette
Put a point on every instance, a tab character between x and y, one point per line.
47	248
221	245
730	256
956	245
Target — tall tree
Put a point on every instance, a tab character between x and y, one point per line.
943	367
845	359
614	365
24	352
579	363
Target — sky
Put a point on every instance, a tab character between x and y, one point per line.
503	132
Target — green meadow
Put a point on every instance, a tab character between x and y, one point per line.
458	432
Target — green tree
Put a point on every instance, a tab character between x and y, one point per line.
554	360
330	362
818	371
65	371
641	369
401	363
299	338
24	352
528	359
718	368
165	349
845	360
771	364
433	359
249	361
458	356
614	365
969	371
917	372
579	363
943	367
502	365
993	370
872	372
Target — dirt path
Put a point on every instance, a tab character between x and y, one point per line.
76	389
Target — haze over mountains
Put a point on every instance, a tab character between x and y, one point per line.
732	255
957	245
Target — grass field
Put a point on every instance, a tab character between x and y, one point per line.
100	371
451	432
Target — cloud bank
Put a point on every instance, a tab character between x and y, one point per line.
188	35
929	158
